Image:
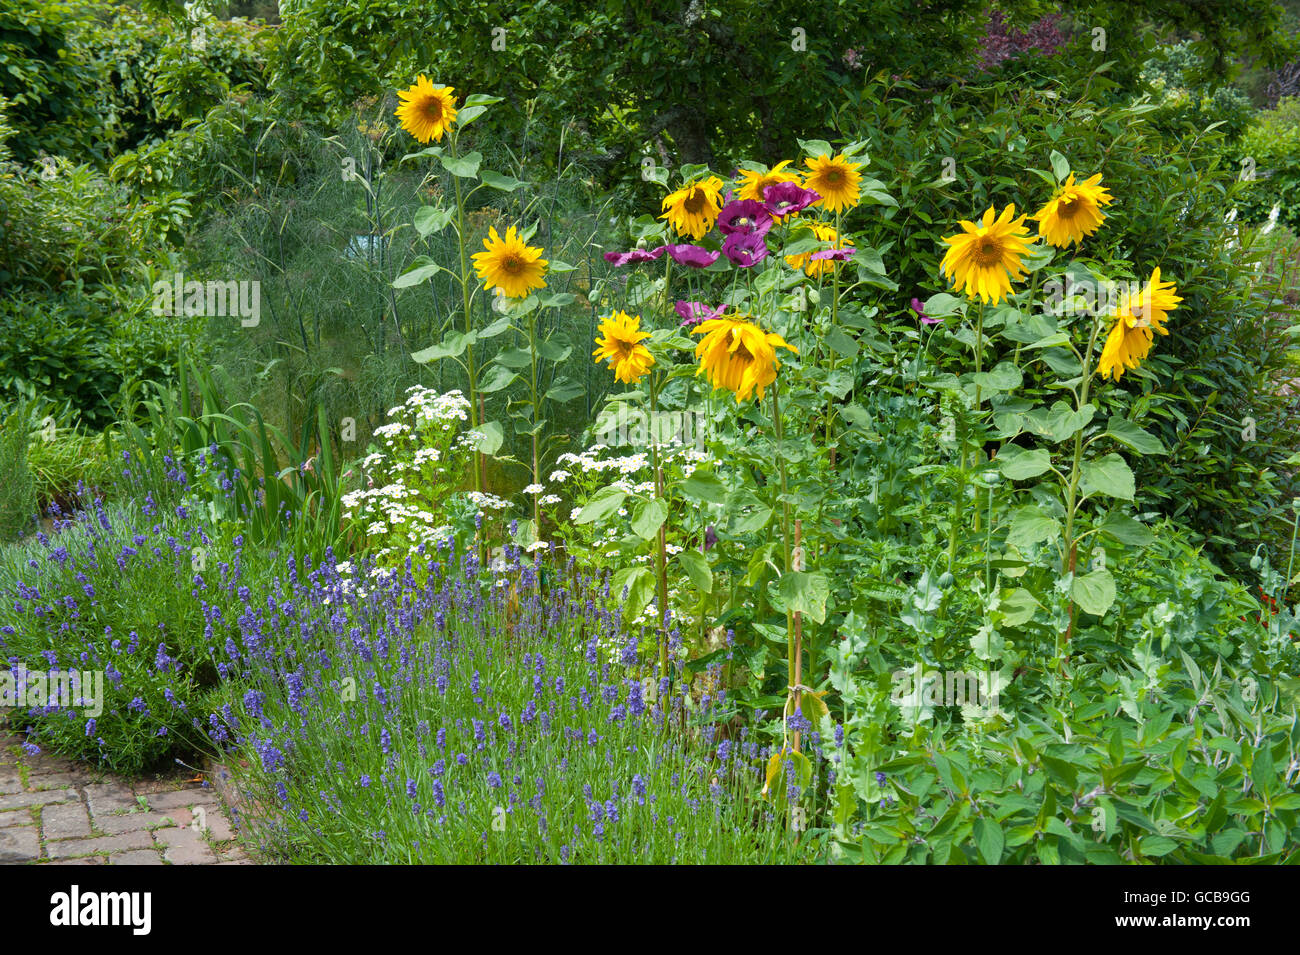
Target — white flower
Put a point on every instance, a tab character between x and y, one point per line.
559	475
534	489
551	499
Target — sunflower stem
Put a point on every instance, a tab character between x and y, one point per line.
661	551
1068	555
785	528
470	367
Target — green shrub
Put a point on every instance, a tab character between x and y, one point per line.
18	489
1226	358
123	590
1270	148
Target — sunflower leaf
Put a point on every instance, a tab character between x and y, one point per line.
462	167
602	504
1060	166
422	268
1022	464
1110	476
648	517
493	437
697	569
1131	436
430	219
1094	592
497	181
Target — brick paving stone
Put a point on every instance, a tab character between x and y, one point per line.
19	844
219	828
184	847
81	847
54	781
65	821
10	780
15	817
182	799
132	821
84	860
136	857
19	800
110	797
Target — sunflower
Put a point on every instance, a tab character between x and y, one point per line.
620	344
737	355
510	265
1074	211
805	261
694	208
835	180
1129	341
984	259
753	183
427	111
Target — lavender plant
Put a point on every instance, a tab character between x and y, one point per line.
454	723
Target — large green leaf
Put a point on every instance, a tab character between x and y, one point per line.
697	569
421	269
452	345
1094	592
430	219
1003	377
1110	476
648	517
704	485
1018	464
1126	530
462	167
1029	525
603	503
1133	437
805	592
493	437
640	586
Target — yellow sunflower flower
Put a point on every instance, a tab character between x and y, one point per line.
737	355
753	183
805	261
1129	341
836	180
427	111
620	344
693	209
983	260
510	265
1073	212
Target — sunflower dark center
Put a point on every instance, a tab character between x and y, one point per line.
512	264
695	202
624	349
1069	208
988	251
834	177
433	109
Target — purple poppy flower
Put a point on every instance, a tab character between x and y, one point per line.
784	198
838	255
690	255
745	216
919	308
745	249
693	313
634	256
710	537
